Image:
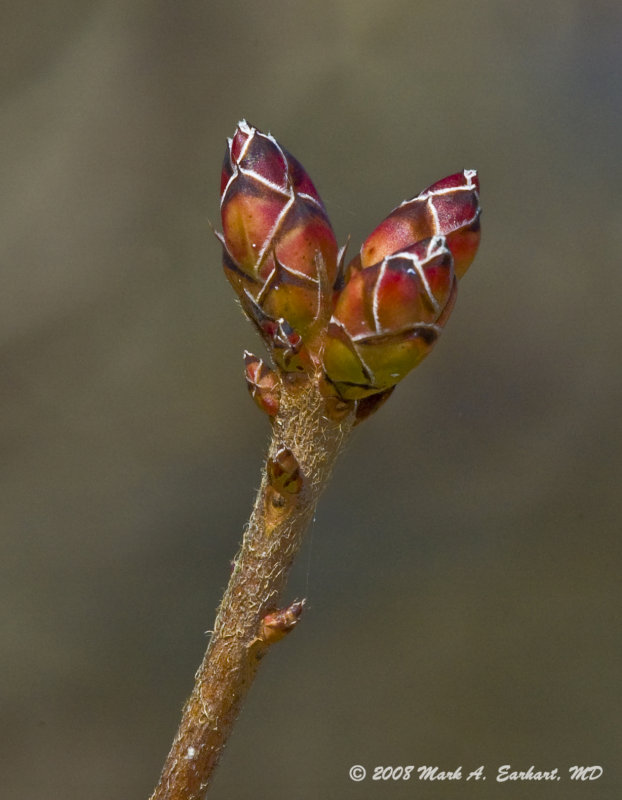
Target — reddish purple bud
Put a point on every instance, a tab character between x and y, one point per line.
387	318
263	384
449	208
279	245
388	306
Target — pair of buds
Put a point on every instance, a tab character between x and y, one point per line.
363	325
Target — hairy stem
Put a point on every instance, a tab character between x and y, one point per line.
271	540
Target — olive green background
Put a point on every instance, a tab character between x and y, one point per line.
463	571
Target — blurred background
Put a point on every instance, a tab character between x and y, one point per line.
463	571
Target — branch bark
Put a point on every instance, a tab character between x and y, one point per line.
305	425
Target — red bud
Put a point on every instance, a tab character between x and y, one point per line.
279	244
388	306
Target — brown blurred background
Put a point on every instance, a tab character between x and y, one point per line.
463	572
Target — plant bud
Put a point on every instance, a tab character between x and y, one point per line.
280	249
277	624
263	384
284	472
387	318
449	208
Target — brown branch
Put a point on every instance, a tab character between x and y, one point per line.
305	426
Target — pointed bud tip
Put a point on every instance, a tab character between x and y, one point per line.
449	207
277	624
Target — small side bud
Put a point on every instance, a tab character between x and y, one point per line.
264	385
276	625
284	473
